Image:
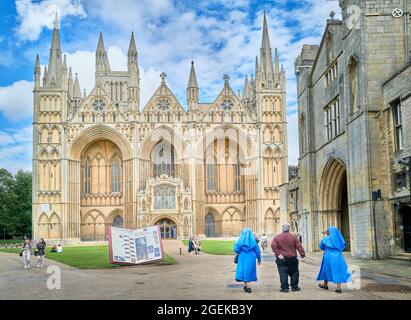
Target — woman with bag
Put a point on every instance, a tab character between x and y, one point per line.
247	252
26	253
333	266
41	248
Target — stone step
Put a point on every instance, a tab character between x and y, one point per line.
401	257
404	254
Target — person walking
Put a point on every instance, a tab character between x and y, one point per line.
247	253
333	266
41	248
285	246
264	242
26	252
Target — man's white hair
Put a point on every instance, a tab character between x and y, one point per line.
286	227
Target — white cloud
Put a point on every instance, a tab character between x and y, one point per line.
169	35
16	149
34	16
16	100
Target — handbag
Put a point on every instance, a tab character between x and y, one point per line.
21	253
236	258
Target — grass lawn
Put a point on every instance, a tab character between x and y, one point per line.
222	247
85	257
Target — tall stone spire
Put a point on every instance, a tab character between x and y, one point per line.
192	80
53	78
132	51
102	63
246	89
132	66
266	62
76	89
192	88
44	76
37	73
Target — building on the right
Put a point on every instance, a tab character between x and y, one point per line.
354	108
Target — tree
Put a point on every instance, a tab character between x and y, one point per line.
15	203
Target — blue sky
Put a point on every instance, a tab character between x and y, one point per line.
221	36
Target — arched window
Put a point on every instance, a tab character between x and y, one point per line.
237	176
163	159
209	225
164	197
87	187
211	176
115	176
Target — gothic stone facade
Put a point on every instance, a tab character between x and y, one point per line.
101	159
348	89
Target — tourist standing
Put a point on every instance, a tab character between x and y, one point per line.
333	266
41	248
26	251
197	245
190	245
248	252
285	246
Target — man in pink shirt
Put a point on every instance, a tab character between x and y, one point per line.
285	246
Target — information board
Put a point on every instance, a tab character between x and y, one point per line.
137	246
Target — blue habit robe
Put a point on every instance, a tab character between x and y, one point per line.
248	252
333	266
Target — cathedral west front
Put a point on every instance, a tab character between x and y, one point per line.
101	159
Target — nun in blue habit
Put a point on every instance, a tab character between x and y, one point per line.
333	267
248	253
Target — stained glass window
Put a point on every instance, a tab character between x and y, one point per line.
164	197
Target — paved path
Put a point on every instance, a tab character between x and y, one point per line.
195	277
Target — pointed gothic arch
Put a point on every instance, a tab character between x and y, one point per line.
333	192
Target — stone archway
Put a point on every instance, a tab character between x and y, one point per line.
271	221
232	222
168	228
334	209
93	226
113	187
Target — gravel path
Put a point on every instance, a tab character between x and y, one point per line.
194	277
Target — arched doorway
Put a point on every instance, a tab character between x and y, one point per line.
405	212
168	229
334	199
344	216
209	225
118	222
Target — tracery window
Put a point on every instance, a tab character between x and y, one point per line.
164	197
88	177
227	104
163	159
98	104
237	177
163	104
211	176
115	176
